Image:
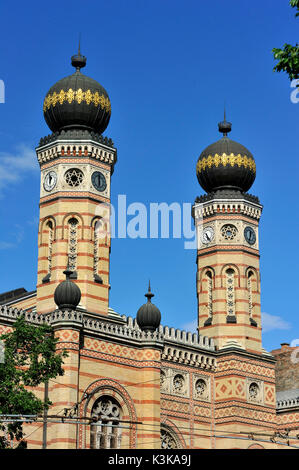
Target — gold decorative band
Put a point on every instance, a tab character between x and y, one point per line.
215	160
79	96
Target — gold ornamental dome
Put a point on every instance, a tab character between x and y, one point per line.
77	102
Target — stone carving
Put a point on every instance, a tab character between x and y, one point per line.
106	434
73	223
168	441
178	383
255	391
74	177
228	232
230	292
201	387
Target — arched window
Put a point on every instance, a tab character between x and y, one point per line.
50	244
72	243
49	241
250	277
169	439
97	232
105	433
230	296
209	279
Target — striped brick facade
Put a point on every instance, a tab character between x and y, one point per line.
84	205
112	357
215	259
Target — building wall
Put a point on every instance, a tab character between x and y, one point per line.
287	367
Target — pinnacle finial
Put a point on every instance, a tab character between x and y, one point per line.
224	126
68	270
149	294
78	60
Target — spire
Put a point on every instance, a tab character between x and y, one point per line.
78	61
67	270
224	126
149	293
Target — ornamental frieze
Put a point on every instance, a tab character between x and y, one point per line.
171	405
245	367
77	96
121	351
224	159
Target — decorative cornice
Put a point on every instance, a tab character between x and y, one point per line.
76	135
80	144
10	314
227	194
213	204
181	337
283	405
125	330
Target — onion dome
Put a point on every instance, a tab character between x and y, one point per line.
77	102
148	316
67	294
225	164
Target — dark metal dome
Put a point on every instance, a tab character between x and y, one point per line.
225	164
148	316
77	101
67	294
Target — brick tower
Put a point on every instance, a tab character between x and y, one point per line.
226	219
76	164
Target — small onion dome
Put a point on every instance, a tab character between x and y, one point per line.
67	294
148	316
77	102
226	164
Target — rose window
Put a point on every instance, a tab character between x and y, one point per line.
178	383
74	177
200	387
228	232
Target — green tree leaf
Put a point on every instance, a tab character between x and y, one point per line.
30	358
288	57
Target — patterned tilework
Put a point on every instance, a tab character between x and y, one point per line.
288	419
180	407
120	351
5	329
245	367
230	387
241	412
269	395
67	335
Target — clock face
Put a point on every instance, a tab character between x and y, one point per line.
50	181
207	234
249	235
99	181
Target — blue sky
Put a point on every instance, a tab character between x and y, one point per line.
168	67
